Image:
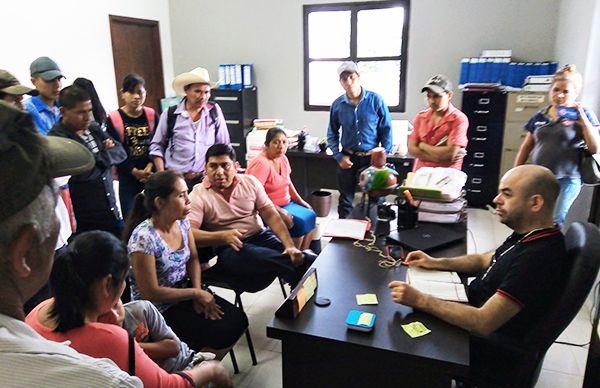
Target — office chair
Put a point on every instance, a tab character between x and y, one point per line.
527	355
215	276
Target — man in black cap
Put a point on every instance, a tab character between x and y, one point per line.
47	77
28	232
439	135
12	91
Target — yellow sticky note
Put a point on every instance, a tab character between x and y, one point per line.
416	329
365	319
366	299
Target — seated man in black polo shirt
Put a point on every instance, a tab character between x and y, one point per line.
518	282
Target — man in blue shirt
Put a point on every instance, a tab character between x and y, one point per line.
365	123
46	76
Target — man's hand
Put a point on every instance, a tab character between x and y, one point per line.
213	372
295	255
141	175
205	304
287	218
191	175
345	163
108	144
233	238
402	293
421	259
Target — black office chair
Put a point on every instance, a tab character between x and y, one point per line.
215	276
526	356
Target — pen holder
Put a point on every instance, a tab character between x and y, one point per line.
407	215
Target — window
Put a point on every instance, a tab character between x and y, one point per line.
373	34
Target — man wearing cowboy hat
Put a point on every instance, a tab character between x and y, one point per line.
196	124
11	90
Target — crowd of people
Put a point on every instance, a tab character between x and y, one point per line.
67	243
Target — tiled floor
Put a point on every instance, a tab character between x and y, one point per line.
563	367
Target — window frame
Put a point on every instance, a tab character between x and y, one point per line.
354	8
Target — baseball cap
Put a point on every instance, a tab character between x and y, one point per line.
30	160
438	84
349	67
46	68
10	85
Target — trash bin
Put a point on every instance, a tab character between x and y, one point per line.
321	202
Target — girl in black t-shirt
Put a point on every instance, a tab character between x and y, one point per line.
133	125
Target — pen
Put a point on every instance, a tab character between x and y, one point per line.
442	141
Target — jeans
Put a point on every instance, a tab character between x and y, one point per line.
569	190
347	181
254	267
129	187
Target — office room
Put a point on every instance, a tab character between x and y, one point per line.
269	34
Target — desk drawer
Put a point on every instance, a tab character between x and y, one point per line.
484	106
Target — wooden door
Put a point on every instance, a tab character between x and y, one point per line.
136	49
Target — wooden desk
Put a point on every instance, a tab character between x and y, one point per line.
319	351
312	171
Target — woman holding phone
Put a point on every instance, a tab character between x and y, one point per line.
556	134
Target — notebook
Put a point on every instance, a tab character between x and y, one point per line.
425	237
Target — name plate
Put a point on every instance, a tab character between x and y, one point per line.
299	296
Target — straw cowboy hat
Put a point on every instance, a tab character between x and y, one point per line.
197	76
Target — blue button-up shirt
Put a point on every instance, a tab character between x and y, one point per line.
364	126
44	117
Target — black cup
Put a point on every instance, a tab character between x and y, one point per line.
407	215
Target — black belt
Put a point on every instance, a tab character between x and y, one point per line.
356	153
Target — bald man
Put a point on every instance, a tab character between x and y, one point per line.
518	282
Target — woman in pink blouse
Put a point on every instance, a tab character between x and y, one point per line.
272	169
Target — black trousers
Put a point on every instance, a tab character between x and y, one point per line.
199	332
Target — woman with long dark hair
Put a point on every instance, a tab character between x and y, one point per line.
87	282
166	269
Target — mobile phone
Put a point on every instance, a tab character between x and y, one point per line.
566	112
395	251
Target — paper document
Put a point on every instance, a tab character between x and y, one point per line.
444	285
346	228
366	299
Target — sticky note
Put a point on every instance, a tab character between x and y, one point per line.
415	329
366	299
365	319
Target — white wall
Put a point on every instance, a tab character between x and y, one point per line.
578	42
76	34
268	33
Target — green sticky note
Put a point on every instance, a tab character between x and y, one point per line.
366	299
415	329
365	319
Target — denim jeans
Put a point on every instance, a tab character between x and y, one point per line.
347	181
569	190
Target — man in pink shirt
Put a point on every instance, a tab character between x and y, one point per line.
439	136
227	213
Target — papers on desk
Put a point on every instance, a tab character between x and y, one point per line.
436	183
444	285
346	228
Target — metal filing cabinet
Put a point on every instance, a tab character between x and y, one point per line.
240	108
520	108
486	111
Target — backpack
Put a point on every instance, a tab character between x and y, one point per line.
117	121
172	117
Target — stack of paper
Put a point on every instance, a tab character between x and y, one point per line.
444	285
436	183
